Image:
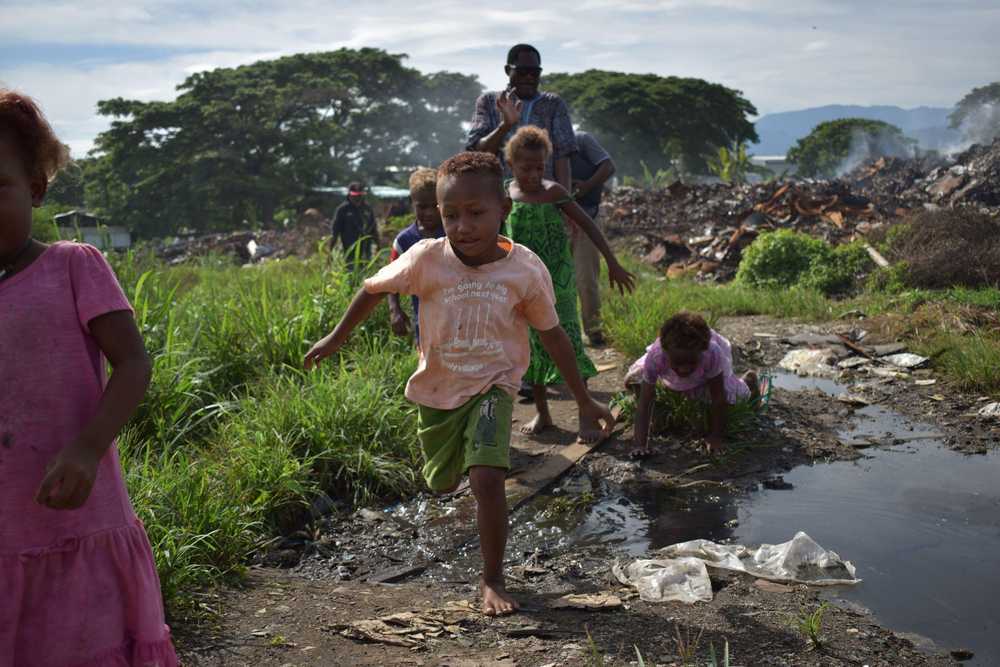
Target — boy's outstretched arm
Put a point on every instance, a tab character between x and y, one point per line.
359	310
557	344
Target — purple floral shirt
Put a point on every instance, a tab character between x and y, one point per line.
654	367
547	111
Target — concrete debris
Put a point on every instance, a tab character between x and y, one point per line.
412	628
247	247
906	360
990	410
807	362
853	399
702	230
590	602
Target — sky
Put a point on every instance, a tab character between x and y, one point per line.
782	55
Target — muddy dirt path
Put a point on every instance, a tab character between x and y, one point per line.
421	556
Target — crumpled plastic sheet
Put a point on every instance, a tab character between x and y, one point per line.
682	572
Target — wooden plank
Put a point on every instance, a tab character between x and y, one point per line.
523	485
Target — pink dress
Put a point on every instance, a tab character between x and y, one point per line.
78	588
717	360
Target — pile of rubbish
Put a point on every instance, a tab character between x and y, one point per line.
701	230
247	247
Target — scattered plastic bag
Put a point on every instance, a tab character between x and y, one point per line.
682	573
906	360
674	580
807	362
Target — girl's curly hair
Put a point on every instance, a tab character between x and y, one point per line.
42	154
529	138
685	331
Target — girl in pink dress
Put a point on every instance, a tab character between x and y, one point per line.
692	359
78	584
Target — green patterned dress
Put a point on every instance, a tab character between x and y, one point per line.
540	227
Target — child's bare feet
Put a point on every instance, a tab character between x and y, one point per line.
641	453
537	425
590	430
496	600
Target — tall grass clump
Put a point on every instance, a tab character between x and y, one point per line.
233	439
633	321
971	361
349	419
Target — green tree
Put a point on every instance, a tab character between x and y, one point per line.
734	166
977	115
238	144
67	189
839	145
656	120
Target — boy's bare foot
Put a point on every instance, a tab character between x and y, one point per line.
641	453
590	430
537	425
496	600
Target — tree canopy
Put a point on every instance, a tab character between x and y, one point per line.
838	145
239	143
977	114
651	120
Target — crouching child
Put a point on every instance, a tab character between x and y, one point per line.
692	359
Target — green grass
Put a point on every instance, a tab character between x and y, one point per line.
233	439
926	319
810	625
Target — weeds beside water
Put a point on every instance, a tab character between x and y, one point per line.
959	326
233	439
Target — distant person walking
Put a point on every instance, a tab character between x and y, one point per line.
354	223
499	114
591	167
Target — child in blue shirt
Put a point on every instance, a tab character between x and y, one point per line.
423	194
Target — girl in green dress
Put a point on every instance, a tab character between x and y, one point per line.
536	221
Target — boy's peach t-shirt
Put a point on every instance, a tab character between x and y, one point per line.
473	319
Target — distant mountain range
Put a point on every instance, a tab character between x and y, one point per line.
779	131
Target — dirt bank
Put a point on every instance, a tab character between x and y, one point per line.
424	553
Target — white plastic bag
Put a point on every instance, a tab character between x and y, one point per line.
682	573
680	579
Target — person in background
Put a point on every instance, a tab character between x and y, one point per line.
499	114
480	293
423	194
78	582
354	223
591	168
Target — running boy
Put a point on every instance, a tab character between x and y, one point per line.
479	293
423	194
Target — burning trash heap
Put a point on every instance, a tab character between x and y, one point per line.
702	230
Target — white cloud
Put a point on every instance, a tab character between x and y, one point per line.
781	55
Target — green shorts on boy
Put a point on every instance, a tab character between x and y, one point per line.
474	349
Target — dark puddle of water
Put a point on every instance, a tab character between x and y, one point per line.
920	522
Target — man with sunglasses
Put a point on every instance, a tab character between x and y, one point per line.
499	114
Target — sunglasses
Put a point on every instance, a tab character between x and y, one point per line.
526	70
